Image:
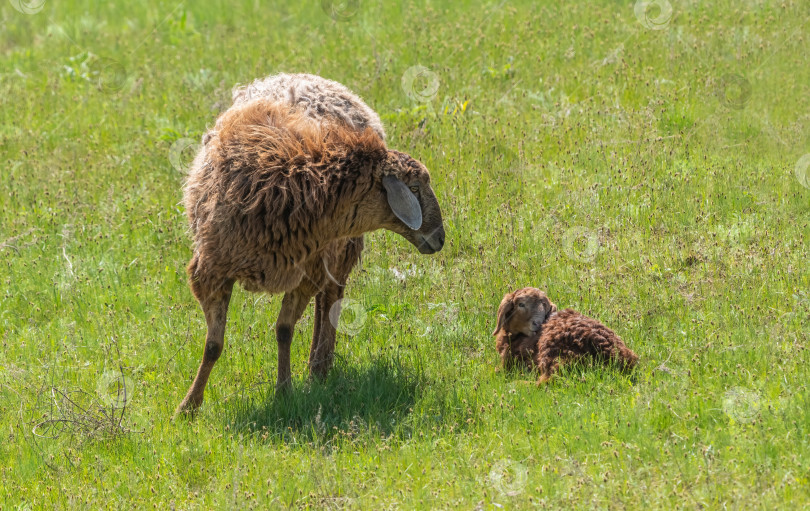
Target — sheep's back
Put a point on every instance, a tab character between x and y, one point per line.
570	333
320	98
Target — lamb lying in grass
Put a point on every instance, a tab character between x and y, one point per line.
531	333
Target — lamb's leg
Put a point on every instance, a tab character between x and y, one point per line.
292	306
547	366
215	307
322	352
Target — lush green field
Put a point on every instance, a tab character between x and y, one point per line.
648	171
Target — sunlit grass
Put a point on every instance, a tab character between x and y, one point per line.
649	178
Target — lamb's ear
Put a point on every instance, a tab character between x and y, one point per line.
403	202
504	310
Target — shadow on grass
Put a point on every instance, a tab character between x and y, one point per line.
374	400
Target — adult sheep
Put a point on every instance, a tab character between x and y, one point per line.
278	199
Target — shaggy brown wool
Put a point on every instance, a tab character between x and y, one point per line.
265	197
318	97
278	200
568	336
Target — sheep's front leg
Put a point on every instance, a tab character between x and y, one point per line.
344	256
292	307
215	307
327	310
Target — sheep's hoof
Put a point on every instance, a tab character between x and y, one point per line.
187	409
184	415
283	387
318	370
317	376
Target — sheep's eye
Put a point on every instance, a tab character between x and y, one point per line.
414	189
522	305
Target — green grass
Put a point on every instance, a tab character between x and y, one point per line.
645	177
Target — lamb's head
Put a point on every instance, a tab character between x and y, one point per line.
413	211
524	311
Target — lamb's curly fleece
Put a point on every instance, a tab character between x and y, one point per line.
569	335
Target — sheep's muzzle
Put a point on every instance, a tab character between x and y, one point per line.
431	242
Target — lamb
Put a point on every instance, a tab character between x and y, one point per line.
536	335
278	199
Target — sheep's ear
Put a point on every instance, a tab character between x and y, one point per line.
504	310
551	310
403	202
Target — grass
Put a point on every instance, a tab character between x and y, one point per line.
650	177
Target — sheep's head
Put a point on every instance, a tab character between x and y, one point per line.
524	311
414	210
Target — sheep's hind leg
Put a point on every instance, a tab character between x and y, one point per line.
215	307
292	307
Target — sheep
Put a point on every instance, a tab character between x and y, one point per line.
278	199
542	338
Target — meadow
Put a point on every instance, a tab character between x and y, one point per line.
646	164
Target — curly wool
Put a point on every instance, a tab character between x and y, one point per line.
568	335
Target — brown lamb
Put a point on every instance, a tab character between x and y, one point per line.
561	337
278	199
